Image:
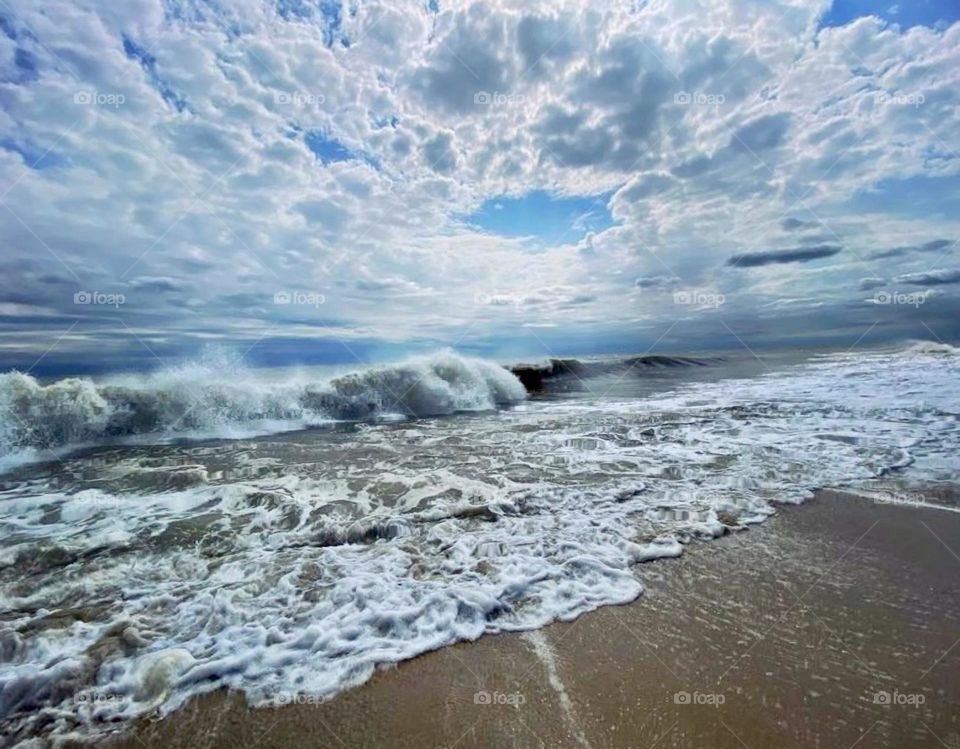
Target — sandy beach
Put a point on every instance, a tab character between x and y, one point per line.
835	624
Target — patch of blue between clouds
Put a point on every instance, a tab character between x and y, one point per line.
551	219
934	197
34	156
149	63
904	13
328	12
328	149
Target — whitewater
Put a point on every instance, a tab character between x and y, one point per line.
218	393
340	524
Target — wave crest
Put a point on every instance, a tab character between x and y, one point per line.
221	393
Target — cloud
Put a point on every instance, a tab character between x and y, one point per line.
797	255
439	154
156	283
656	282
466	62
936	245
868	284
762	134
931	278
795	224
545	43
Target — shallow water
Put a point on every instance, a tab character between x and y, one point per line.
137	575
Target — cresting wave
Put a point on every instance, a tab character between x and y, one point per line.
220	392
539	377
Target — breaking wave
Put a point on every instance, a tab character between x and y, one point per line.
219	392
931	347
538	377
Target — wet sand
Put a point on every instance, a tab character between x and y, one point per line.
836	624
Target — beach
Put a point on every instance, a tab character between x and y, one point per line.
834	624
441	373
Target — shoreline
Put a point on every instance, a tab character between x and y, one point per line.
832	624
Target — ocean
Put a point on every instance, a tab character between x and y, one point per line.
285	533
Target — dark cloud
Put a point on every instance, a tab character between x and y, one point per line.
544	43
894	252
933	246
616	113
797	255
463	66
762	134
868	284
932	278
795	224
439	153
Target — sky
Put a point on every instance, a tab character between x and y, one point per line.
306	181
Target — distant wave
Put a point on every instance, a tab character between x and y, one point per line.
219	392
931	347
536	377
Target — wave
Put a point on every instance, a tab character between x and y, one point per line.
219	392
931	347
537	377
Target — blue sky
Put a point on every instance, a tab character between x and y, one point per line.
548	219
316	180
905	14
936	197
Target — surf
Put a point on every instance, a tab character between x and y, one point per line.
217	393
